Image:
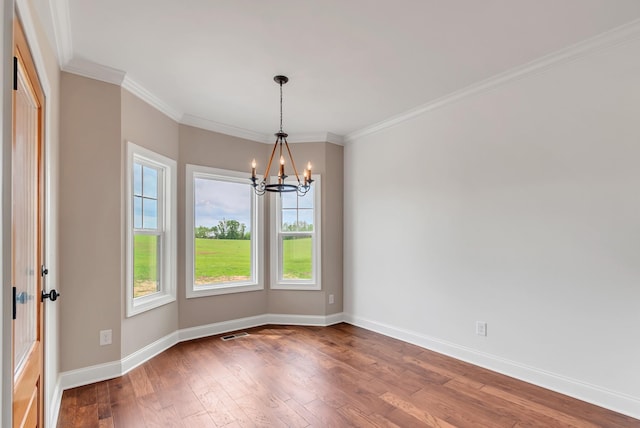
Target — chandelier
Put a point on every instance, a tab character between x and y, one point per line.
262	186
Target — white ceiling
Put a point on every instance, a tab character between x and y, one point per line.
352	63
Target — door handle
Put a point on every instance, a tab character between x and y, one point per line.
52	295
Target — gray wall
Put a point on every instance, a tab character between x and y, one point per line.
97	119
517	206
201	147
90	226
146	127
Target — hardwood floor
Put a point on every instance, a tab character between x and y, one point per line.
323	377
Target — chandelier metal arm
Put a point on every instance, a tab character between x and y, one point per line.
293	164
273	152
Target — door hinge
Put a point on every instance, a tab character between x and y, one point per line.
15	301
44	270
15	73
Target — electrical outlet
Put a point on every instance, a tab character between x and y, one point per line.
481	328
331	299
105	337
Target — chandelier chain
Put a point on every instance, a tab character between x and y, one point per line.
280	106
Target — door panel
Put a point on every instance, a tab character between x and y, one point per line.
26	238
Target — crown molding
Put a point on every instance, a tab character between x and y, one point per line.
90	69
62	30
221	128
141	92
606	40
315	138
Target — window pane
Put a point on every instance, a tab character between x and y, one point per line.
305	220
306	201
137	212
150	182
296	257
145	265
149	213
289	220
137	179
222	219
289	200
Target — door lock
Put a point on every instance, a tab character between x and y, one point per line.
52	295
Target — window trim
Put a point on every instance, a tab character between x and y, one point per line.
276	243
167	201
257	234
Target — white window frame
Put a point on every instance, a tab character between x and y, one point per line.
257	234
167	223
315	283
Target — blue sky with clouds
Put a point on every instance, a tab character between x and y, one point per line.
216	200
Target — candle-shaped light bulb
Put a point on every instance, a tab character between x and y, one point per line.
281	172
309	169
253	168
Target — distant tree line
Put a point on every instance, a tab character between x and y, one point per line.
233	229
226	229
300	226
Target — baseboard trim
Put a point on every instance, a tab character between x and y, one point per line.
91	374
56	399
100	372
221	327
132	361
616	401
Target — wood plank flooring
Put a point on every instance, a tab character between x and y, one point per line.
288	376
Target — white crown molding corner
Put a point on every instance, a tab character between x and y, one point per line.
335	139
141	92
606	40
92	70
616	401
318	137
222	128
62	30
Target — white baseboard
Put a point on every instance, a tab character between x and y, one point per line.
91	374
616	401
132	361
54	406
221	327
100	372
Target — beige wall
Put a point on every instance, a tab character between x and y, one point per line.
149	128
201	147
326	159
206	148
97	120
90	228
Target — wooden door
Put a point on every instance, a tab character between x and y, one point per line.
26	237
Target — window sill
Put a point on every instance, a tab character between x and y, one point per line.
304	286
216	290
147	303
